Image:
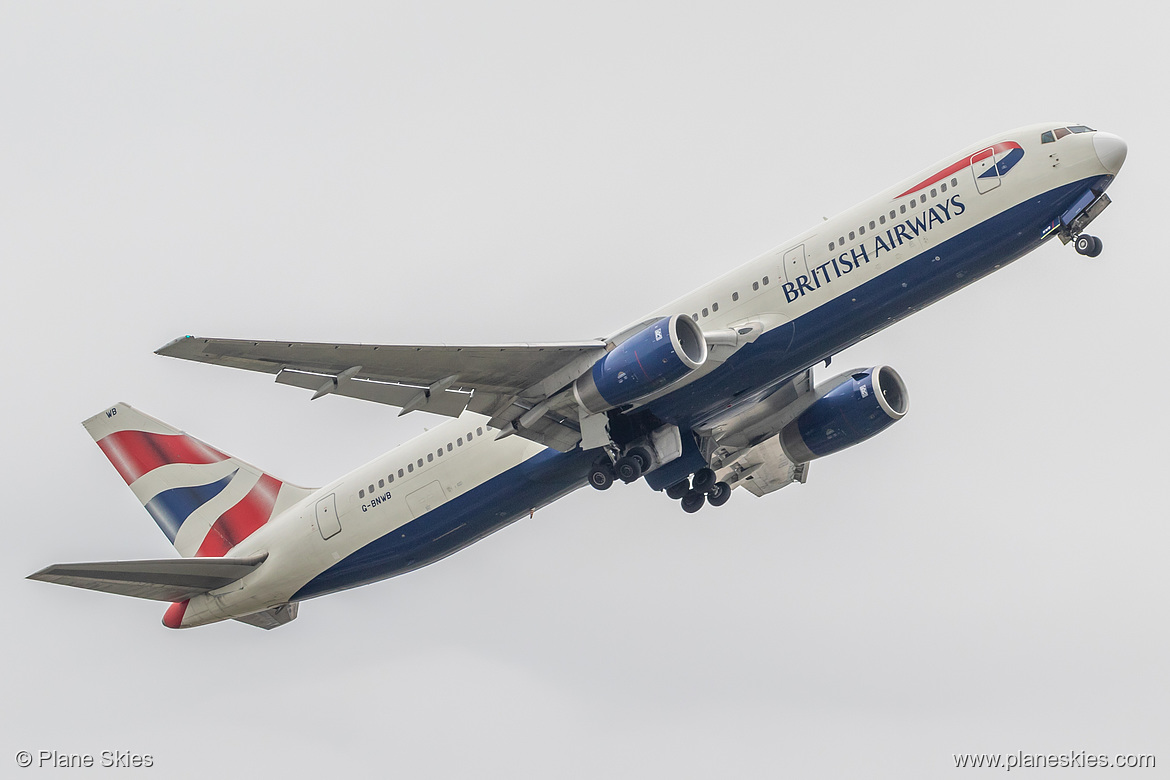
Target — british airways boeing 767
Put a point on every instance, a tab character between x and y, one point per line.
709	393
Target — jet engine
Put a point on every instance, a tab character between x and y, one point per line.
663	352
856	407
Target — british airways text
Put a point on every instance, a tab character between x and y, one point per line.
894	237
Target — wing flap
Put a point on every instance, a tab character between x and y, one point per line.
763	469
450	403
167	579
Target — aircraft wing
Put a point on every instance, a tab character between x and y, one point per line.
168	579
763	469
503	381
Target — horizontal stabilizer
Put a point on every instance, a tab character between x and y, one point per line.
168	579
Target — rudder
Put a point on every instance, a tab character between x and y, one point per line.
204	500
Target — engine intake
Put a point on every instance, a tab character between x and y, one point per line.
849	409
664	352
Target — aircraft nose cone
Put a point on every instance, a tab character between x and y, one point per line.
1110	151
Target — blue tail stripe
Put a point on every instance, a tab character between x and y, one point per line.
171	507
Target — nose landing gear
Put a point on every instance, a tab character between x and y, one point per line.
1089	246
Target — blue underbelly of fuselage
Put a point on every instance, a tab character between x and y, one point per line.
749	374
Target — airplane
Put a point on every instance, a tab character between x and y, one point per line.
711	392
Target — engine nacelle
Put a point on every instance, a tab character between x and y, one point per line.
856	407
664	352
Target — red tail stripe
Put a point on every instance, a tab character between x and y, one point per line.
135	453
242	520
173	617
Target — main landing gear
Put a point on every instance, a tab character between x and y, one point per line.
701	488
693	492
1089	246
628	468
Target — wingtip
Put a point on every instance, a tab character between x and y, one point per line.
166	349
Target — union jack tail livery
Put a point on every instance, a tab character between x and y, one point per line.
204	500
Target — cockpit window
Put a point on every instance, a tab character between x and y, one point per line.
1061	132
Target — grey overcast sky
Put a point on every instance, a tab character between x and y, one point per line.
989	575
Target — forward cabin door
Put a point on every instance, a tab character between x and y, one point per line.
795	264
985	168
328	523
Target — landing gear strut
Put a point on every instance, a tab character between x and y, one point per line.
1089	246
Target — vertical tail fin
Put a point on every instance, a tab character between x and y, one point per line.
204	500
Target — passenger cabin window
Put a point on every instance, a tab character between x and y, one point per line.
361	494
430	457
371	489
381	483
765	280
410	467
714	307
943	187
852	235
449	447
704	312
479	431
755	285
400	474
735	296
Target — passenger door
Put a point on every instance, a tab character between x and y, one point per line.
328	523
985	169
795	264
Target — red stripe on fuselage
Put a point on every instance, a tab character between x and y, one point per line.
242	520
135	453
960	165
